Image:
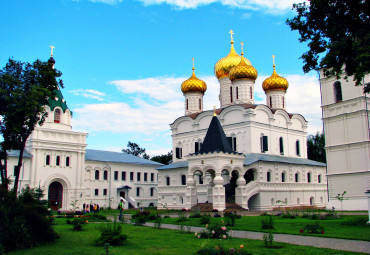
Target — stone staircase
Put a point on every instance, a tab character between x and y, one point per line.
208	207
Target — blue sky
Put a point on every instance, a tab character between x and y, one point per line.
123	61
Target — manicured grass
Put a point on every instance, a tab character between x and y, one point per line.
145	240
333	228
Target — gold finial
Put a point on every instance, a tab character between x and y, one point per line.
231	35
193	63
214	111
273	59
242	48
52	47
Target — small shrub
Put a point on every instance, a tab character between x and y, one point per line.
205	219
214	231
153	216
268	239
77	224
221	250
230	218
158	222
111	233
140	220
267	222
357	221
99	216
314	228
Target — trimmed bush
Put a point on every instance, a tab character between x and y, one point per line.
111	233
267	222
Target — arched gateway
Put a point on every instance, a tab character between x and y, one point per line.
55	196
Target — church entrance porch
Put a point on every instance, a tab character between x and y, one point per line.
55	195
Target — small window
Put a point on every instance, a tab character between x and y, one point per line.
183	179
268	176
96	192
123	176
270	101
281	145
131	176
283	177
105	175
200	179
237	93
138	177
138	192
115	175
168	181
296	177
297	148
283	102
187	104
319	178
308	177
47	160
151	192
338	92
105	192
197	147
145	177
178	152
264	143
251	92
231	94
200	104
96	174
67	161
57	116
58	160
152	177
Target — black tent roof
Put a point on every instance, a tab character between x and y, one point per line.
215	140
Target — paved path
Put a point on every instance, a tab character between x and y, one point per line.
320	242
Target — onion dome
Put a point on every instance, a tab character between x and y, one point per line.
223	66
193	84
243	70
51	61
275	82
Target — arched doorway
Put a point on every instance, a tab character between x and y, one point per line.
312	201
249	176
230	196
55	195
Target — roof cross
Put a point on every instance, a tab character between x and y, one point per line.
193	63
231	35
52	48
273	59
242	47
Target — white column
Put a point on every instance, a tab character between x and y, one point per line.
240	182
219	193
210	191
191	192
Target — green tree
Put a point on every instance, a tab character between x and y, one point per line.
338	37
164	158
316	147
24	91
134	149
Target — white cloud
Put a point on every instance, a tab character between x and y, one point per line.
106	1
89	93
273	6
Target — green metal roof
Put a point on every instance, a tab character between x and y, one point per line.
57	100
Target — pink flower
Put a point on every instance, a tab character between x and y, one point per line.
213	232
223	228
224	236
199	236
196	234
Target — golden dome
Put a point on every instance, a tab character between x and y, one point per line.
223	66
243	71
275	82
193	84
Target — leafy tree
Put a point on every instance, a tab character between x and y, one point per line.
338	36
134	149
164	158
316	147
24	91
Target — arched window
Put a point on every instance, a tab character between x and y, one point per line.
319	178
187	104
47	162
231	94
283	177
338	92
183	179
281	145
105	175
57	115
283	102
237	93
138	192
96	174
296	177
297	148
251	92
270	102
151	192
168	181
308	177
268	176
57	161
200	104
67	161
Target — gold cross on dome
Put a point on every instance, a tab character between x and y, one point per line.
193	63
273	59
214	110
52	48
242	46
231	34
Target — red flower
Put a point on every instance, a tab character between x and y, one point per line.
322	232
301	230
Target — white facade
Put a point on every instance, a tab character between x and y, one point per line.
57	160
346	124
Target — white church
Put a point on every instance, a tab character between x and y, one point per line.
251	155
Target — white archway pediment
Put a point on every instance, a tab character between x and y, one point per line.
59	178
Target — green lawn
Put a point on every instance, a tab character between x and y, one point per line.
145	240
333	228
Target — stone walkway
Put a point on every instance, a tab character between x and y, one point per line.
320	242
